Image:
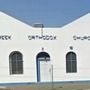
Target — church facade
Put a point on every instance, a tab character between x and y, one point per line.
37	54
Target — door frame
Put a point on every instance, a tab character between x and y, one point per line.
40	55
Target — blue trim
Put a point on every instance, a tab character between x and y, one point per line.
17	84
38	71
36	83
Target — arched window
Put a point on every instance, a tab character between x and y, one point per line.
16	63
71	62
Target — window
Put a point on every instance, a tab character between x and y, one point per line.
71	63
16	63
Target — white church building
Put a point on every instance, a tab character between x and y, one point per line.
39	54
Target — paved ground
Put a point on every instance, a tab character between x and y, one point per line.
59	86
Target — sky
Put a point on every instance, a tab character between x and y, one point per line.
50	13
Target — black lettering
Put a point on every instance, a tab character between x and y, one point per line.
0	37
9	37
40	37
3	37
44	37
85	37
54	38
29	37
36	36
88	37
47	37
82	38
33	37
6	37
74	37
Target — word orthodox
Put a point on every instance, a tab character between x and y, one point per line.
44	37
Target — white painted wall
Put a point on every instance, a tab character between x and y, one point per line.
57	49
